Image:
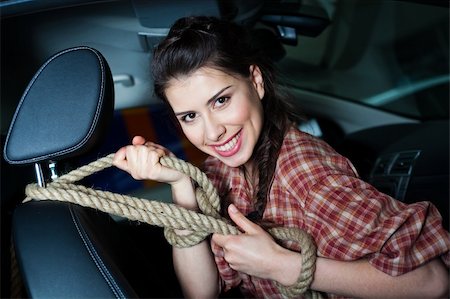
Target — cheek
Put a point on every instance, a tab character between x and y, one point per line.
194	135
239	113
253	112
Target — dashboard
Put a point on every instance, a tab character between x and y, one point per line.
410	162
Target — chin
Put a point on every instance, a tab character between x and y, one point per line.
233	161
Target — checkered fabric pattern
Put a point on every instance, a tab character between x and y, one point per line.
319	191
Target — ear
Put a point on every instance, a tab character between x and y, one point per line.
257	80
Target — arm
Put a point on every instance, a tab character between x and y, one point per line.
359	278
195	266
255	253
196	271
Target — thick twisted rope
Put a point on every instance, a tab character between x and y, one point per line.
171	216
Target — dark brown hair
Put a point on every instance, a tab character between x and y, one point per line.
196	42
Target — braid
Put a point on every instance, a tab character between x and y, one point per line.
268	148
265	167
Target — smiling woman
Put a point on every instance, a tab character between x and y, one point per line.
271	174
371	77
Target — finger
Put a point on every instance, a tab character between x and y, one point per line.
240	220
152	152
232	266
138	140
159	147
219	239
160	153
119	159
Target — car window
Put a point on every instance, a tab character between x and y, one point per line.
393	55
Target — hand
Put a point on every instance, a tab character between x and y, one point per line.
254	252
141	161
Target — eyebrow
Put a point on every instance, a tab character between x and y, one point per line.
214	97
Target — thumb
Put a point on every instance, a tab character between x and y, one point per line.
138	140
240	220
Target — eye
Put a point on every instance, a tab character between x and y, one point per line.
221	101
188	117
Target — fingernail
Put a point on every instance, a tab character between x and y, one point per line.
232	208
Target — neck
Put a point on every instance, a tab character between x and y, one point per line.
249	169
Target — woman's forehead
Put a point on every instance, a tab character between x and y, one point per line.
204	73
204	82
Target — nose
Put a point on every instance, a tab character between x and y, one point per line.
214	129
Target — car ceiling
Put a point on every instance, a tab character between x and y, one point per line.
124	31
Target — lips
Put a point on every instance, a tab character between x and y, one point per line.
231	147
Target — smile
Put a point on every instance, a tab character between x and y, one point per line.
231	147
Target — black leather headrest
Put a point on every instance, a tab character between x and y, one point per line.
64	109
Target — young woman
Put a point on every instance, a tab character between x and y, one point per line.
224	97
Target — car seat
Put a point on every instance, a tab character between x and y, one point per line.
63	250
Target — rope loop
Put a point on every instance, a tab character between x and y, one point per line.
170	216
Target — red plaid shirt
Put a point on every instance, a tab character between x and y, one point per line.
319	191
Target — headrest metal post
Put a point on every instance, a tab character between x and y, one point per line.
39	175
53	172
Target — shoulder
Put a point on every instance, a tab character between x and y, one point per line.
300	147
306	159
297	142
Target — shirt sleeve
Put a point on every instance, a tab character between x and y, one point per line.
351	219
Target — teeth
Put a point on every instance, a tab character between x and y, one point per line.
228	146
